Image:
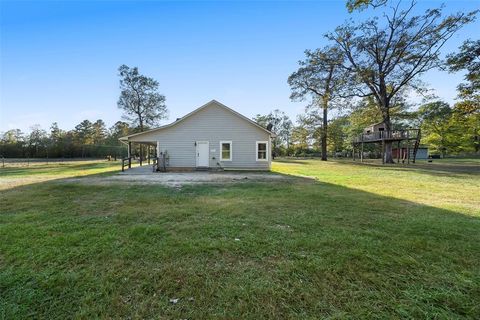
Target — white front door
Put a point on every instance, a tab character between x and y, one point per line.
202	153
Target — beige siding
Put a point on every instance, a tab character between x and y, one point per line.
213	123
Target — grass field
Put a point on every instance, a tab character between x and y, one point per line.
347	241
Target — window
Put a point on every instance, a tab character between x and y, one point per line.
225	150
262	151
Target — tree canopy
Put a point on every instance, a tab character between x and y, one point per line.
386	56
353	5
280	124
321	79
468	59
140	100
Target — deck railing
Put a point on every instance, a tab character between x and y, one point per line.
410	134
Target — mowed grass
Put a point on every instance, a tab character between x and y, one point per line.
452	184
351	241
20	174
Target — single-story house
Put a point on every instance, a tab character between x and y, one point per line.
210	137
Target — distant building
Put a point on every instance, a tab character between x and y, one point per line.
375	128
422	152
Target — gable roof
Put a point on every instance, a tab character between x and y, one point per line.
188	115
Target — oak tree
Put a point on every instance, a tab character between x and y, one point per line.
388	55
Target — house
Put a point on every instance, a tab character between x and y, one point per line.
375	128
210	137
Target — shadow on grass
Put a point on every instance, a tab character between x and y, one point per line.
248	250
423	167
294	160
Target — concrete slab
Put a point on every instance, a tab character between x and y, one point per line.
145	169
145	175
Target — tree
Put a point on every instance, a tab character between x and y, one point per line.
57	137
467	111
60	143
37	140
389	57
363	113
84	132
99	132
56	133
300	139
467	59
140	100
280	124
311	122
118	130
319	78
466	117
435	120
13	143
338	130
353	5
13	136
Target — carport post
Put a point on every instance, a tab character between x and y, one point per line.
129	154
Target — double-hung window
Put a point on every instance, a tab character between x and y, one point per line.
225	150
262	151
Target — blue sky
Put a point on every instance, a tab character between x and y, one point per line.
59	60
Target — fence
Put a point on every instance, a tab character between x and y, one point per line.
27	162
62	151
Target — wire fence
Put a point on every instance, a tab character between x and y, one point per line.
27	162
68	151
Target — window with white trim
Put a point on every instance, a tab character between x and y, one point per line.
262	151
225	150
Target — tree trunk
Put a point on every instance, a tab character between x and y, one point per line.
388	156
324	133
388	152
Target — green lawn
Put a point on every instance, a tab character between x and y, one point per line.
349	241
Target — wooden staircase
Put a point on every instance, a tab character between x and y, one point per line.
416	145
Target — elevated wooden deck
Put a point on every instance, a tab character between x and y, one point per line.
398	136
394	135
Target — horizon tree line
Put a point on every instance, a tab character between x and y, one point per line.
446	129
